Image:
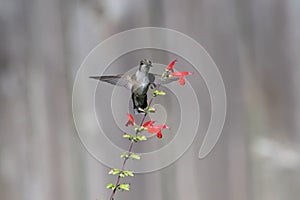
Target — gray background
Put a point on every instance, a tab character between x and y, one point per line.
256	45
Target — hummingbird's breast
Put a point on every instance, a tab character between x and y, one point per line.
141	85
141	89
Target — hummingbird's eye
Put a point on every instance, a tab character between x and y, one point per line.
142	62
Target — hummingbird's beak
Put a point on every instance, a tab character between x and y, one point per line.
95	77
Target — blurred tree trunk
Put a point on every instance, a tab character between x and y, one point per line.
268	61
35	98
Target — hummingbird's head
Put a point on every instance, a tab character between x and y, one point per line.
145	65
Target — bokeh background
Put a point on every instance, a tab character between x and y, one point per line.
256	45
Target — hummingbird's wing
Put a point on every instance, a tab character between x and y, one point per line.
123	80
157	79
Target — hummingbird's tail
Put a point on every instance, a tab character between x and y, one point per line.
139	101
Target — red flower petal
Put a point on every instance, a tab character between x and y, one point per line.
152	129
159	126
171	65
130	117
130	121
159	134
181	80
181	73
148	123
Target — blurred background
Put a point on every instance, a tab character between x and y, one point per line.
255	44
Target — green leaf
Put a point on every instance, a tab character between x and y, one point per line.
124	186
122	175
141	138
139	129
128	173
158	93
127	136
151	110
111	186
136	138
135	156
124	155
114	171
166	74
140	109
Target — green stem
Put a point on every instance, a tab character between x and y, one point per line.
129	151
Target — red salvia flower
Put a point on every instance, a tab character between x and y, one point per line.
154	128
171	66
181	76
130	121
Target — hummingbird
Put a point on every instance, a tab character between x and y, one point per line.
138	83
